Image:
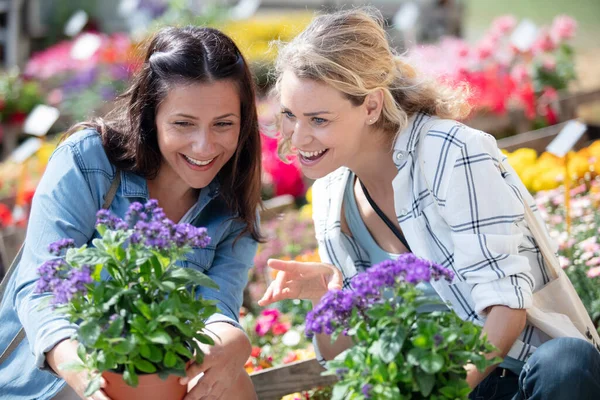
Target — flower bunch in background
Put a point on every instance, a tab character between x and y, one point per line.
81	84
398	353
501	76
138	311
579	251
18	96
547	171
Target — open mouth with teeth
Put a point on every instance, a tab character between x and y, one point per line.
311	157
198	163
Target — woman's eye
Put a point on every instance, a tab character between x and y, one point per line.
182	123
319	121
223	124
288	114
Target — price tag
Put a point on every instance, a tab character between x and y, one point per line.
407	16
76	23
40	120
244	9
566	139
524	35
26	150
85	46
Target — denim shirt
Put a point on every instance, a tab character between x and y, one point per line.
67	198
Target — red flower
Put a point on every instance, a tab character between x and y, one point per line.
280	328
291	357
6	218
255	351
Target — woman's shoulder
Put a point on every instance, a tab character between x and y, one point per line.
87	149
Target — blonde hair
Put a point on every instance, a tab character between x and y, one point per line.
349	51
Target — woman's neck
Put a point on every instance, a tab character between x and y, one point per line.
375	168
174	196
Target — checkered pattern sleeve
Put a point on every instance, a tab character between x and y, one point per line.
483	211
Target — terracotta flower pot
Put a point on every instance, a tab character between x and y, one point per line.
150	387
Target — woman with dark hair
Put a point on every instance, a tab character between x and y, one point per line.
185	133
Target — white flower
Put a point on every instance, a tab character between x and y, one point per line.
291	338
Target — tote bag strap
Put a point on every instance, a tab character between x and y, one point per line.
110	195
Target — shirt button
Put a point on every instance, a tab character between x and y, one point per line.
403	212
401	155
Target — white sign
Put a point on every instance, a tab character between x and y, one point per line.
566	139
76	23
26	150
524	35
85	46
40	120
244	9
406	17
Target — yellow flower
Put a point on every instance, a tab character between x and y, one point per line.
309	195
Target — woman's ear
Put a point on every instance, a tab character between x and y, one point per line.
373	106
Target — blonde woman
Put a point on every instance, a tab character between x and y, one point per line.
394	173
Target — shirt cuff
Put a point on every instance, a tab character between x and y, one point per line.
512	291
223	318
48	342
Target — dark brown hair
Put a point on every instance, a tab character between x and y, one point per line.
185	56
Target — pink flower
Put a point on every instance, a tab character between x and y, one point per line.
485	49
563	28
504	24
265	322
520	74
593	272
564	261
281	328
544	43
593	262
549	64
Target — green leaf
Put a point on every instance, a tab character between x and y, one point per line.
126	346
144	366
393	371
432	362
130	377
89	332
391	343
159	337
93	386
170	359
205	339
168	318
185	329
340	390
81	353
151	352
184	351
75	366
166	286
425	382
144	308
115	328
192	276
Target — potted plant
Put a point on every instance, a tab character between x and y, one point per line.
139	312
399	352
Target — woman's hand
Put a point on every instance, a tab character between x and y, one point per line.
64	352
222	364
301	280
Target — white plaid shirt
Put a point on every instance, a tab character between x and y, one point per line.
475	226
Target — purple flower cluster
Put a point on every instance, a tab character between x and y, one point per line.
62	283
335	308
57	247
151	227
366	390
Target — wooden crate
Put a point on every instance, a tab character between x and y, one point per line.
274	383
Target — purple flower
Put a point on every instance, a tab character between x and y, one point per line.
368	288
341	372
366	390
49	275
57	247
105	217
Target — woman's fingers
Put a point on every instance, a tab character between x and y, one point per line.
267	297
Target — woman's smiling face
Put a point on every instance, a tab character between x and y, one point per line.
324	127
198	130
